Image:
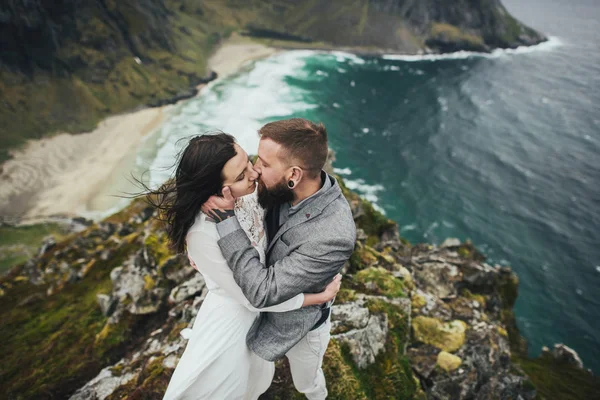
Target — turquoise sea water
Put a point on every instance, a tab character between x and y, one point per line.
503	149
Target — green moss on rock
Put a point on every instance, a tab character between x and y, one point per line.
390	376
380	281
158	246
345	296
447	336
342	382
361	258
448	362
472	296
417	301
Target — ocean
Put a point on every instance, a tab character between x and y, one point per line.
502	149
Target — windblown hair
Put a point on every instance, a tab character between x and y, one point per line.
305	142
197	177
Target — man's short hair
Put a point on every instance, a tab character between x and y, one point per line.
304	142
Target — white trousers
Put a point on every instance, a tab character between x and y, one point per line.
306	361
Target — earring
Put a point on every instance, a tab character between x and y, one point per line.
291	184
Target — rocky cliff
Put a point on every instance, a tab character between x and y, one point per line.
99	315
66	64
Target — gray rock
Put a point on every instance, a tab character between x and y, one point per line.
450	242
423	359
47	244
481	276
106	303
366	343
437	278
567	354
345	317
140	285
187	289
102	386
170	361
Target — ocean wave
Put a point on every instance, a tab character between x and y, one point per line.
366	191
342	171
548	45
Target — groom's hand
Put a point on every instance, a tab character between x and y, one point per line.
220	208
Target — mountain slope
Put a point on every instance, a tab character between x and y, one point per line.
100	313
67	64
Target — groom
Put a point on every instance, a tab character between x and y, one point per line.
311	235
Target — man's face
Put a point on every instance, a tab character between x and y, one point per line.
272	184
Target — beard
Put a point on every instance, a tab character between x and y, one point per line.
278	194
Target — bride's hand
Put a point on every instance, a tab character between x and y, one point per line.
313	299
220	208
332	289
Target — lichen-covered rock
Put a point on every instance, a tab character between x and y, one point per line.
106	303
447	336
364	344
380	281
448	362
188	289
423	359
102	385
404	274
438	278
135	286
348	316
450	242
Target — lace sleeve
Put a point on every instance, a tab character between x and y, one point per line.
251	217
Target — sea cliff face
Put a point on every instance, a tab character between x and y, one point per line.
407	26
99	315
65	65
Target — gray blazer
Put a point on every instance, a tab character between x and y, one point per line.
303	257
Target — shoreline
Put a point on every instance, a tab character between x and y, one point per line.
70	175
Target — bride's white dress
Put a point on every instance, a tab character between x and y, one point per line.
216	363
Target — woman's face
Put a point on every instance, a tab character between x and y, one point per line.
239	175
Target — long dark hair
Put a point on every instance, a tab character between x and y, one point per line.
197	177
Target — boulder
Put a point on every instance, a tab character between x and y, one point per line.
448	362
188	289
566	354
447	336
437	278
348	316
106	303
366	343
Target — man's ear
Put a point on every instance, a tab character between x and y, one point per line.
297	174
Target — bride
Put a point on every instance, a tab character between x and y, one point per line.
216	363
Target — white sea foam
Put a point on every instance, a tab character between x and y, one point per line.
342	171
410	227
238	105
550	44
342	56
366	191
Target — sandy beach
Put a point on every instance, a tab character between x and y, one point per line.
80	174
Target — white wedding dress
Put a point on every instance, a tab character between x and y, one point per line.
216	363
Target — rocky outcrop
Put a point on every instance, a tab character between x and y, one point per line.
565	354
406	26
106	314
